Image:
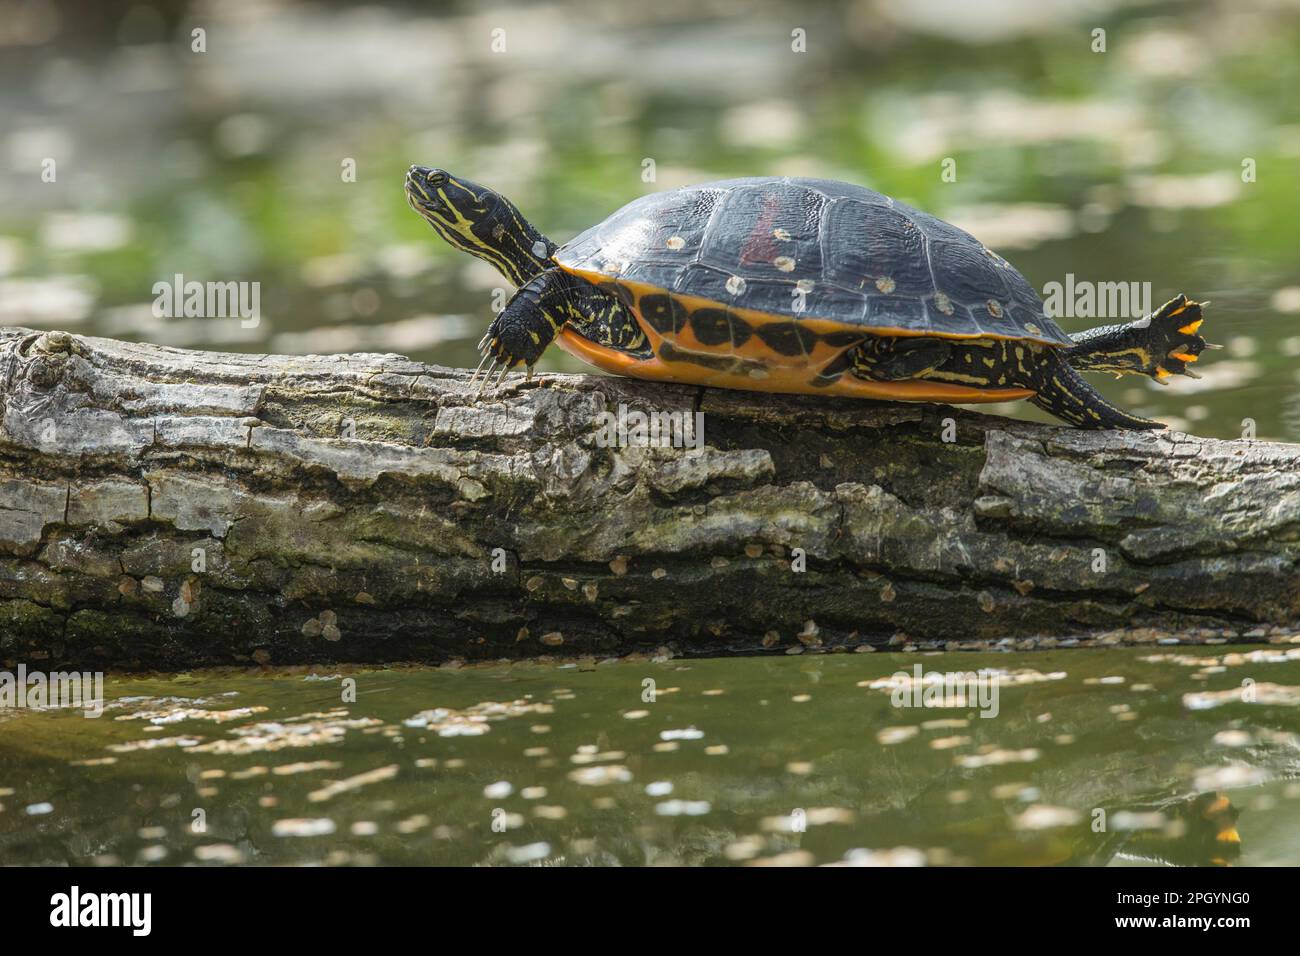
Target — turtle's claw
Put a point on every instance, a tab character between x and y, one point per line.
505	369
494	362
504	347
478	371
486	379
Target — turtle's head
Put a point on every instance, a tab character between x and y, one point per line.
480	221
449	204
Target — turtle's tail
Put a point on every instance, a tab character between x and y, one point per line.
1161	344
1063	392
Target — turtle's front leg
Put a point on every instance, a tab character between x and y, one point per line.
547	303
526	326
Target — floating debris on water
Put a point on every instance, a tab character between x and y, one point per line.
155	744
683	808
474	721
302	827
269	736
219	853
1233	738
603	757
1267	694
289	769
600	776
896	735
530	853
690	733
994	757
177	714
1044	817
331	790
898	856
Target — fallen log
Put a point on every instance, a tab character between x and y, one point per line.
169	508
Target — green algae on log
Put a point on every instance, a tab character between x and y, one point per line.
168	508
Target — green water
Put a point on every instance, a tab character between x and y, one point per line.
1117	757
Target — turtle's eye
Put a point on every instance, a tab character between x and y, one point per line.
437	179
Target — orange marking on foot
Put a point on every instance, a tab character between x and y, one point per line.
1183	356
1191	327
1162	373
786	380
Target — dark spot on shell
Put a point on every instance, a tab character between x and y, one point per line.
711	326
664	313
787	338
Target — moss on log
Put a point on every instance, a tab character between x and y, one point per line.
170	508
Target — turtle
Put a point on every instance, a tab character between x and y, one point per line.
796	285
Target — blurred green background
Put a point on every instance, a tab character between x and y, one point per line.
1116	166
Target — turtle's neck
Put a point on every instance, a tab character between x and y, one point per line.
513	244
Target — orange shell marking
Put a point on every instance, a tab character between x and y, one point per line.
779	379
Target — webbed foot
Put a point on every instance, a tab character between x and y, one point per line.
1174	341
1159	345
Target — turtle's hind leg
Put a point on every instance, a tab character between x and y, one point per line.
889	359
1162	344
1062	392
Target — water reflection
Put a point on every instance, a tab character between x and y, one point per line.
1114	757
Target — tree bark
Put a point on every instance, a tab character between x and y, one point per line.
169	508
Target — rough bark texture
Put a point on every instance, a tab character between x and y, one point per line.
165	508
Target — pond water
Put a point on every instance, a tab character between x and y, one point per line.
1139	756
